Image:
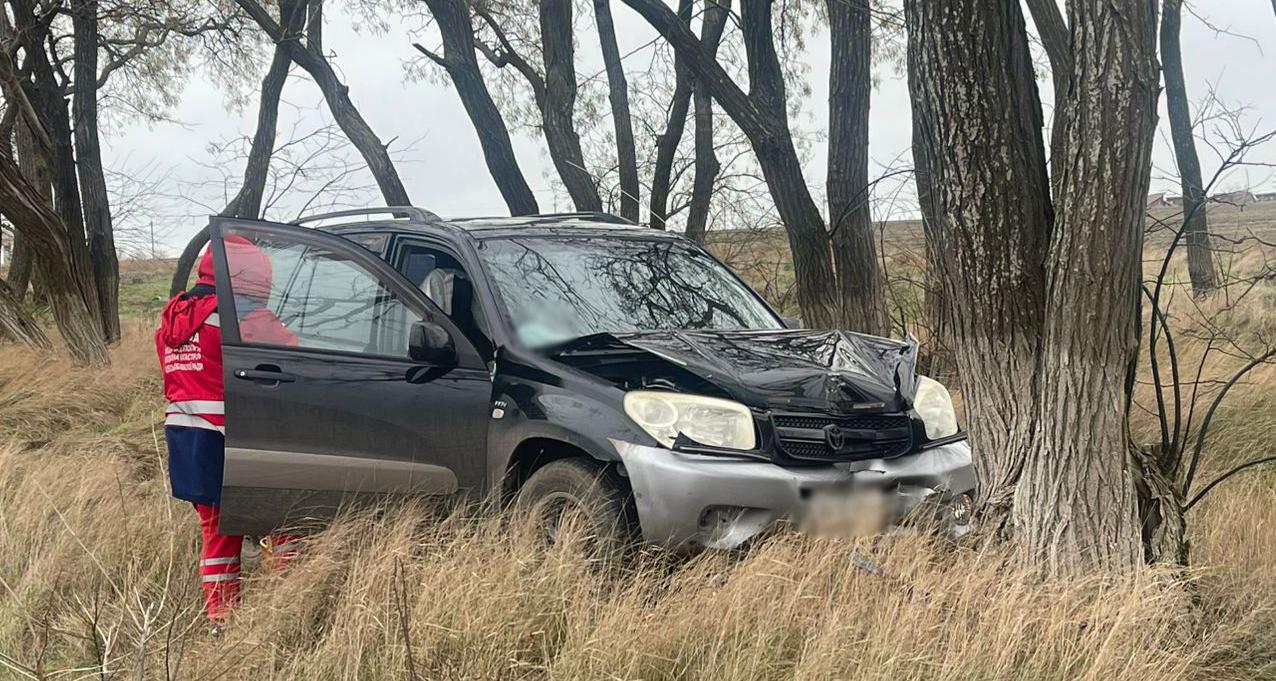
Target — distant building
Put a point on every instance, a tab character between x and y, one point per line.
1157	200
1265	197
1241	198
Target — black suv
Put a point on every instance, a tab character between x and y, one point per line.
564	361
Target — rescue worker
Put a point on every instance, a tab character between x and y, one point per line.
190	352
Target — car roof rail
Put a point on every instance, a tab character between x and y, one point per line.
597	216
412	213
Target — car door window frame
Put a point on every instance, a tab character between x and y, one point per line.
383	272
493	323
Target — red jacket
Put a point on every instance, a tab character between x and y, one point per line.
189	340
189	344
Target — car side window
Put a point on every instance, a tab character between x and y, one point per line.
444	280
297	295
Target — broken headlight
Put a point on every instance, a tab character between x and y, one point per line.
935	406
707	420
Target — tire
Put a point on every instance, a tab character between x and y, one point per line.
584	491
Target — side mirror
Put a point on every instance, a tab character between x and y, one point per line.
430	343
792	322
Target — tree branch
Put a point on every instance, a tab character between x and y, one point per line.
1220	479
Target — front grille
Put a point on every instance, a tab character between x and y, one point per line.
863	436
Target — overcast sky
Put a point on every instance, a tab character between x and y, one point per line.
444	169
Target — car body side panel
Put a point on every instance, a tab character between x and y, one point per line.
537	398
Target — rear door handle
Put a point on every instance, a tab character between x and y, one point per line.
264	375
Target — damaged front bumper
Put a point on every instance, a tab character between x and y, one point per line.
689	501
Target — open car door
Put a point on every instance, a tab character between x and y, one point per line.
343	381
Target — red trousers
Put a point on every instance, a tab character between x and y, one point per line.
219	562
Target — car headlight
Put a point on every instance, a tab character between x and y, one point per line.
707	420
935	406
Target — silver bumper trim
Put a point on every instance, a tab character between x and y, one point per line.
675	492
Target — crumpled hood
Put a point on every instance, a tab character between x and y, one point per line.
829	371
182	317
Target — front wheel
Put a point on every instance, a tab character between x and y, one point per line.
583	498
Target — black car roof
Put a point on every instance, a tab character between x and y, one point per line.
416	220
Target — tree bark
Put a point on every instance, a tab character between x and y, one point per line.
1200	253
28	210
850	217
713	24
937	308
558	112
618	95
983	148
461	64
16	324
667	142
19	268
1053	31
247	202
763	117
337	95
33	169
105	264
1076	507
57	157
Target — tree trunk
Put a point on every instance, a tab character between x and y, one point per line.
991	202
248	200
713	24
19	268
16	324
937	308
28	210
763	117
58	160
1053	31
850	217
33	169
461	63
337	95
104	262
667	142
1076	505
618	94
559	106
1200	254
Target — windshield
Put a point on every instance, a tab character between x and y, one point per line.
559	288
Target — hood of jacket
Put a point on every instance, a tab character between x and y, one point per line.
183	316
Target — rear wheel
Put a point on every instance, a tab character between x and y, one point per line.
583	499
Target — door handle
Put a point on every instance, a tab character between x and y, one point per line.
260	375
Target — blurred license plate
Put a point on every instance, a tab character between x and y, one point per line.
848	512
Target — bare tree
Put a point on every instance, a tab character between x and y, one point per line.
762	115
28	210
1061	272
310	57
554	91
995	213
97	207
618	94
863	294
1200	254
461	64
713	24
668	141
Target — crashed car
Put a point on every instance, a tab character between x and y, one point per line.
570	363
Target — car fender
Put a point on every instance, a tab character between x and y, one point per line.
573	419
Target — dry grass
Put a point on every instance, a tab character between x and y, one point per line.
97	579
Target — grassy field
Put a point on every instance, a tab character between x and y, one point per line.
97	572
